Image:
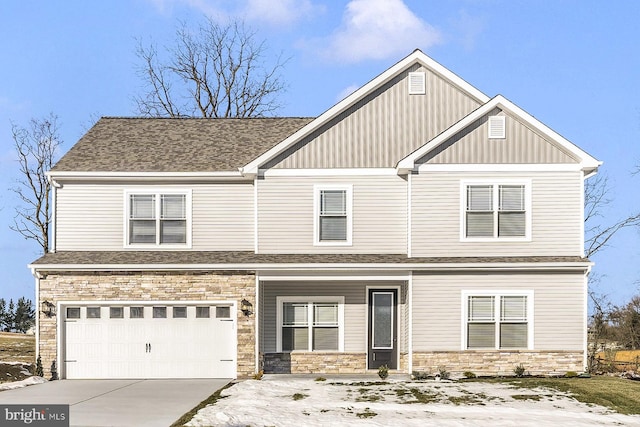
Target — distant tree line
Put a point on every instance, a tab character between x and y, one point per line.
613	327
18	317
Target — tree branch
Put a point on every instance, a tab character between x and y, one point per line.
36	148
218	71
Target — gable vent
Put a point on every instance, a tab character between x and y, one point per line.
417	83
497	127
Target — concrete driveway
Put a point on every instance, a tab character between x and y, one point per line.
101	403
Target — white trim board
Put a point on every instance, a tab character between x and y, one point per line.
328	172
353	267
499	167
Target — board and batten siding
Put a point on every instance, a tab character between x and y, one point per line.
383	127
559	302
557	215
355	309
91	217
286	214
521	145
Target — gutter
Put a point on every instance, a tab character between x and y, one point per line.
146	176
573	266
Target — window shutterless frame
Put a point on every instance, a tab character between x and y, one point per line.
498	210
312	314
159	218
497	317
332	215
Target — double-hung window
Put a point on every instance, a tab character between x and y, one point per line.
498	320
310	323
496	211
333	205
158	218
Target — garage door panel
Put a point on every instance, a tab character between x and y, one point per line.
148	347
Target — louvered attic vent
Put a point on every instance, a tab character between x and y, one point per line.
417	83
497	127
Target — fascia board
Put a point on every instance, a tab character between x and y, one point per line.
581	266
587	162
143	176
417	56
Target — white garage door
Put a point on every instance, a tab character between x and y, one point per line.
160	340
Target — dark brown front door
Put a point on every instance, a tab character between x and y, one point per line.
383	328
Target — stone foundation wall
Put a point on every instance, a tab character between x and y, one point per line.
149	286
315	363
500	362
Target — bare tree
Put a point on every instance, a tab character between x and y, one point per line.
216	71
36	147
596	198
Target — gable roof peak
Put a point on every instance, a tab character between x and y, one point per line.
587	162
417	56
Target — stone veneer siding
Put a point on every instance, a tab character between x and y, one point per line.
499	362
315	363
150	286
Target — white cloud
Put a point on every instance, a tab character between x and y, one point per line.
377	29
468	28
346	92
280	12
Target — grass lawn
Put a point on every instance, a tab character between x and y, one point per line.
17	347
619	394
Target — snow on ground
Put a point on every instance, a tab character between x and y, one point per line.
340	402
19	384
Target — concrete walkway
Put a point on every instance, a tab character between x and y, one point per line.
101	403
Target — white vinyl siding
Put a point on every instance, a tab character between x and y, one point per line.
438	215
287	214
90	216
556	316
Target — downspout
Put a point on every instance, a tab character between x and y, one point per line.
37	277
409	216
585	316
255	214
256	310
410	325
54	186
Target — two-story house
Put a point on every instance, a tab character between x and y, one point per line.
416	224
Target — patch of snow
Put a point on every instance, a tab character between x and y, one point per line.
396	402
19	384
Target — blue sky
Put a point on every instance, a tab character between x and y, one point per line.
573	64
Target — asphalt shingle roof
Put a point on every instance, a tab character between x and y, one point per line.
246	257
175	145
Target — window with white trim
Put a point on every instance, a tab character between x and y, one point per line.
498	321
496	211
158	219
333	220
310	324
